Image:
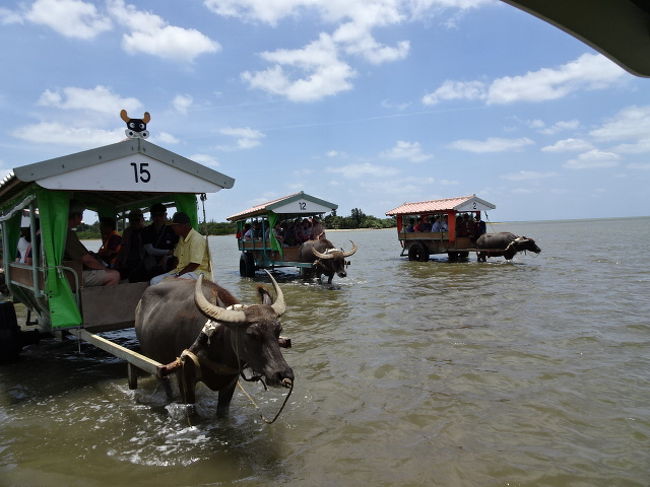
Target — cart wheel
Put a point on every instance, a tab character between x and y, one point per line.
246	265
418	252
463	255
452	256
10	341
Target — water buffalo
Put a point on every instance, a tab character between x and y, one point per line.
327	259
171	326
504	244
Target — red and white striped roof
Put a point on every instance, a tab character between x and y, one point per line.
460	203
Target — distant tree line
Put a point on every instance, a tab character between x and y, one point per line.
357	219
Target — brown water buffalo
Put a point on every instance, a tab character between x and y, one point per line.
504	244
327	259
171	327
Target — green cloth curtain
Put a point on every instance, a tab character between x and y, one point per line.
53	207
275	245
187	204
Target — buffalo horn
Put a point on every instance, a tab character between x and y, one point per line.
278	305
215	312
351	252
321	256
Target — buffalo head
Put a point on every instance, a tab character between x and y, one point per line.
332	261
254	331
524	243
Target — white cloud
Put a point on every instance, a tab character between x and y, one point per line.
456	90
318	70
150	34
395	106
568	145
99	99
630	123
411	151
593	159
246	137
492	144
10	17
70	18
528	175
588	72
355	171
643	166
165	138
561	126
536	124
205	159
59	134
404	188
324	73
641	146
448	182
182	103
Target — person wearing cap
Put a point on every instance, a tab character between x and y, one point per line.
191	251
94	273
159	241
131	256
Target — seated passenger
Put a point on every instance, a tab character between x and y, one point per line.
191	252
461	227
247	232
411	226
443	225
159	241
95	273
422	225
437	225
130	261
24	245
111	242
317	228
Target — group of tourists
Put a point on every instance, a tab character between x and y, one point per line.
143	253
288	233
466	226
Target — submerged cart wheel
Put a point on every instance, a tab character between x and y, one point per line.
418	252
246	265
10	340
452	256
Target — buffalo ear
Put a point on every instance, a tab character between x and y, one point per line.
265	296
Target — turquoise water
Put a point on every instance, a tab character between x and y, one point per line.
531	372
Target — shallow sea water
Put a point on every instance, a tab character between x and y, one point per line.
524	373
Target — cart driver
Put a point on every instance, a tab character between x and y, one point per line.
95	273
191	251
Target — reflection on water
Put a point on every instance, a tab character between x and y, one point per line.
533	372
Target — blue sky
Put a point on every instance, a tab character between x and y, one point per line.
365	103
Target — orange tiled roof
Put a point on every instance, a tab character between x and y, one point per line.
432	205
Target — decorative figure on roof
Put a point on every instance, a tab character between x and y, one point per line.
136	127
